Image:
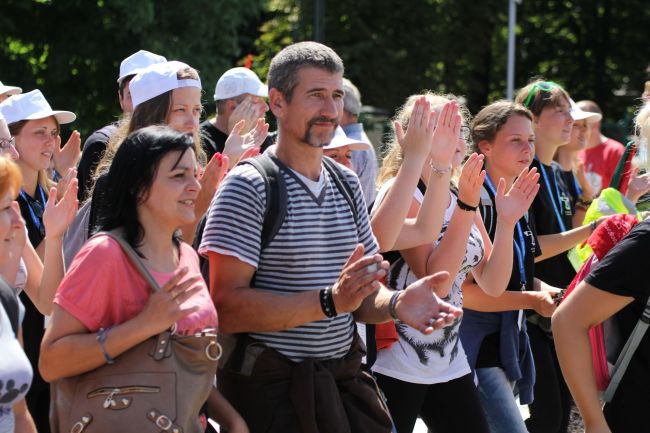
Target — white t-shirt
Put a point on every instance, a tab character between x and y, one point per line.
15	370
437	357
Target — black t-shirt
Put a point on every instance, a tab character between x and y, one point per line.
31	209
572	186
214	140
488	355
624	272
92	152
556	271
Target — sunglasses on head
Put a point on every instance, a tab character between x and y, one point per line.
544	86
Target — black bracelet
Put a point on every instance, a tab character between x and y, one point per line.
393	303
464	206
327	302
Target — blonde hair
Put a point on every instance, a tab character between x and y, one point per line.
642	129
10	177
393	159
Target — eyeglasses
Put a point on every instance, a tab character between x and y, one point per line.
545	86
7	143
465	132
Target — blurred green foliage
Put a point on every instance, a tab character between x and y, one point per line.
71	49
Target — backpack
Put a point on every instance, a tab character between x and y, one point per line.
610	357
276	199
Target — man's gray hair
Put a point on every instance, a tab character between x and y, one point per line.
283	72
352	99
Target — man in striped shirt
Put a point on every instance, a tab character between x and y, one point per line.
293	303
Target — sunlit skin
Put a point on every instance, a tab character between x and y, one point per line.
4	96
186	109
553	125
125	98
172	198
8	150
511	150
35	143
580	135
342	155
9	221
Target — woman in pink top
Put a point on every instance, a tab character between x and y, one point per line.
153	191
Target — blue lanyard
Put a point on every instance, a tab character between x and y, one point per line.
554	199
37	222
520	247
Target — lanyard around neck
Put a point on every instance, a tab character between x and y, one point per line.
37	221
555	198
519	244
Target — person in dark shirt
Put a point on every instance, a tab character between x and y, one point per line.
552	216
95	144
239	95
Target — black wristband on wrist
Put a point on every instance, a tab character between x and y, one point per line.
464	206
392	304
327	302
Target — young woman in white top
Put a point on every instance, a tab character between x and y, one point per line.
428	375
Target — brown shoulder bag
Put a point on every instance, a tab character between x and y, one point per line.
158	385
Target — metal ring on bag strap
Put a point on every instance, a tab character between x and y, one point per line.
219	351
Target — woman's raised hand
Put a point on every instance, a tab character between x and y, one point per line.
165	306
238	142
67	156
513	205
210	178
416	142
471	180
445	136
59	214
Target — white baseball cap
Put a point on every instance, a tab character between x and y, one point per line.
138	61
157	79
340	140
10	90
237	81
579	114
30	106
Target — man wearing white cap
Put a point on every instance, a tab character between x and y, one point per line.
364	161
7	91
601	155
239	95
95	145
580	192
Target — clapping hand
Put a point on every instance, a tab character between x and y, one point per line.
238	141
59	214
639	185
66	157
416	141
249	111
419	307
471	180
445	136
513	205
210	178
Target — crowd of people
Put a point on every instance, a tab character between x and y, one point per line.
347	295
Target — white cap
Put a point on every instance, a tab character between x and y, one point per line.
10	90
138	61
579	114
32	105
158	79
238	81
340	140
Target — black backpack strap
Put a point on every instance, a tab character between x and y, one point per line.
276	195
338	176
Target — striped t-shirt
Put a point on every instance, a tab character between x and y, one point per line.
308	252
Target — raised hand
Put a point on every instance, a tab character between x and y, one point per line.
248	111
416	142
419	307
65	181
359	279
165	307
446	136
210	178
513	205
471	180
238	141
66	157
639	185
59	214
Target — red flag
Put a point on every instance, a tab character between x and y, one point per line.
249	59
